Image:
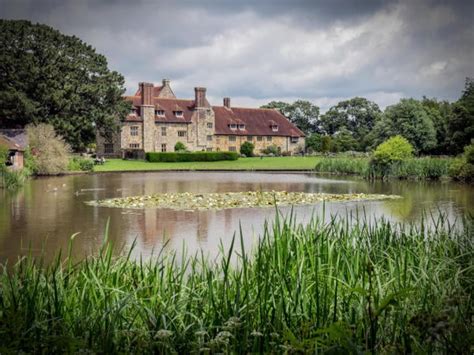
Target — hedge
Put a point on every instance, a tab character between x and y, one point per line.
190	156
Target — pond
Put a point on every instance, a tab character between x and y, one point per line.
42	216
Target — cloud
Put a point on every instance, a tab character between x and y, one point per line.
260	51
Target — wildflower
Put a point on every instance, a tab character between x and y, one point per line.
163	334
256	334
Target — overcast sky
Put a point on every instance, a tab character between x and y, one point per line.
258	51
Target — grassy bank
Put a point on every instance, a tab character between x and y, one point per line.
322	286
267	163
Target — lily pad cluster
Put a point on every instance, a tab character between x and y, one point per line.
189	201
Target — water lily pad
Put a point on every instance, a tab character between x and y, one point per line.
187	201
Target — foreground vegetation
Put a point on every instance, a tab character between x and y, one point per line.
343	286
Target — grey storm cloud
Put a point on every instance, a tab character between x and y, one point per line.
257	51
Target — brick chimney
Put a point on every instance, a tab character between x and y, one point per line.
147	93
227	102
200	97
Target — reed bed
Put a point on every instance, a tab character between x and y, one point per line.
431	168
347	285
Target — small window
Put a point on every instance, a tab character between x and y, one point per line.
208	149
163	131
163	147
250	138
231	138
108	148
160	112
134	145
294	140
233	126
269	138
181	133
134	130
241	127
178	113
232	149
134	111
259	138
209	125
275	128
209	138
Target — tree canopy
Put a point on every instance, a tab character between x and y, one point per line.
49	77
460	128
410	120
358	115
302	113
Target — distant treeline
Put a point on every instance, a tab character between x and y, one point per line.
433	127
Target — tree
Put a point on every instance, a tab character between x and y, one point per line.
393	151
460	130
50	151
302	113
409	119
343	140
48	77
358	115
247	149
440	113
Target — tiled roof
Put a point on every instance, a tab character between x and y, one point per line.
15	139
156	91
167	105
258	122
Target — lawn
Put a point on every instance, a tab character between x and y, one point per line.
266	163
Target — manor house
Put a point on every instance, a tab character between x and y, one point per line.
159	120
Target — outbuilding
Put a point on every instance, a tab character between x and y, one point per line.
15	140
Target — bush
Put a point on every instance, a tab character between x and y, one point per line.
247	149
388	155
49	150
80	164
188	156
462	167
180	147
272	149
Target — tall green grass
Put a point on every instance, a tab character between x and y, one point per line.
344	286
417	168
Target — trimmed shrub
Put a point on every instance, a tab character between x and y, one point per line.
247	149
271	149
190	156
180	147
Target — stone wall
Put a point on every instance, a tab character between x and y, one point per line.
172	136
224	143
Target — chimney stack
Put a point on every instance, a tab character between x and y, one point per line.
166	82
227	102
200	97
147	93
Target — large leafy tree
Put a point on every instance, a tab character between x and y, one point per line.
48	77
410	120
440	113
358	115
460	128
302	113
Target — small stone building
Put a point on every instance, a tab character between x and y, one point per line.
159	120
15	140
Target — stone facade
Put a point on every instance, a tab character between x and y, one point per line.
159	120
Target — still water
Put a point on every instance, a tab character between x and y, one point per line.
41	217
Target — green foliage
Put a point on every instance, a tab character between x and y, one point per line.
188	156
48	77
461	125
463	167
180	147
359	295
343	141
440	113
409	119
247	149
344	165
80	164
9	178
358	115
272	150
302	113
394	149
49	151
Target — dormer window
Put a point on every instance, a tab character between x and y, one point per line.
241	127
233	126
274	128
178	113
160	112
134	111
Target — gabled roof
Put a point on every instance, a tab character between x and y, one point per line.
168	105
156	91
258	122
14	139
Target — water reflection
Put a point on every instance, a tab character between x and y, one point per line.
44	214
